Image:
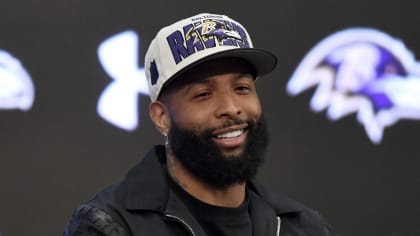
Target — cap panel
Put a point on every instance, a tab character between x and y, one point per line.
193	40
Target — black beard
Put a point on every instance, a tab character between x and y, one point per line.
202	157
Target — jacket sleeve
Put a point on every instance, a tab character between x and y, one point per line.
88	220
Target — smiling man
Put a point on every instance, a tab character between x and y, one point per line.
201	73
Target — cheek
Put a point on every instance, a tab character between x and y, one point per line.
253	107
191	118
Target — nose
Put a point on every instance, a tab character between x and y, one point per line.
228	106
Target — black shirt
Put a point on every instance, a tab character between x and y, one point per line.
215	220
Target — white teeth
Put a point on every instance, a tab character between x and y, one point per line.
232	134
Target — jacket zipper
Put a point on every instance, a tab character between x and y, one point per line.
278	226
181	221
191	231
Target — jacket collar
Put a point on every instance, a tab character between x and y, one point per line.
145	188
281	204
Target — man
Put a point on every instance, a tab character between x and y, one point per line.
201	73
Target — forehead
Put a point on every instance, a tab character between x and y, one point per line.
209	69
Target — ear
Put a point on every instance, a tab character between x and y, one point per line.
159	114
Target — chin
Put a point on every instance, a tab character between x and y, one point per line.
231	154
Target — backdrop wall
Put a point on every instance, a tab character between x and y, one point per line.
60	152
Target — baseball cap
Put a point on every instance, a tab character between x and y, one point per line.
194	40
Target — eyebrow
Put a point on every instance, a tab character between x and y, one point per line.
189	86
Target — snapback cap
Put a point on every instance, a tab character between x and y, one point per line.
191	41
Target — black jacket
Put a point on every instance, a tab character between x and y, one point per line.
143	204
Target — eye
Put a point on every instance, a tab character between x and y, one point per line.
245	84
243	89
202	95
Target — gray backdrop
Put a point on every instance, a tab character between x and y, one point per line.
60	153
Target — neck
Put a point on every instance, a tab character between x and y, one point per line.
232	196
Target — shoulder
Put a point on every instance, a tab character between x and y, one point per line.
308	220
98	217
294	215
92	221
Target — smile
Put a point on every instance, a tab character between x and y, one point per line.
231	137
232	134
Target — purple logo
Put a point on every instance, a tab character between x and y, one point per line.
362	71
204	34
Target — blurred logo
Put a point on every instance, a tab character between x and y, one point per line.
362	71
202	34
118	103
16	87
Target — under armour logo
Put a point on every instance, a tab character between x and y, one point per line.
118	103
